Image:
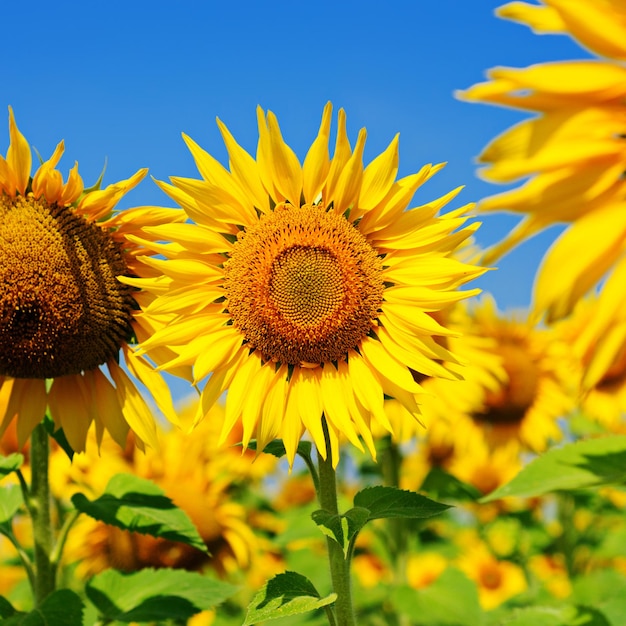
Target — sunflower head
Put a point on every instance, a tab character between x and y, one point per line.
306	290
64	313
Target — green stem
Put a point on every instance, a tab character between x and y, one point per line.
391	462
339	564
38	505
26	562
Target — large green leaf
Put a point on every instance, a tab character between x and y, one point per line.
138	505
285	594
10	502
155	595
452	599
577	465
10	463
60	608
382	502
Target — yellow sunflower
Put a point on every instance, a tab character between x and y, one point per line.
304	290
65	319
572	151
597	331
535	383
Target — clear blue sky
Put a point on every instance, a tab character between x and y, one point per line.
122	80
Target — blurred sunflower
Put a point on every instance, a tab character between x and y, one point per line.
64	316
539	385
304	290
498	580
597	331
573	152
201	478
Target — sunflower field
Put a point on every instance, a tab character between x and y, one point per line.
284	395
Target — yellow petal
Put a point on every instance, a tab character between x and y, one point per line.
378	176
578	259
19	156
317	162
72	408
285	164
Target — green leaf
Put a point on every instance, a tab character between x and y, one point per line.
138	505
285	594
439	484
277	448
333	526
605	590
6	608
10	502
382	502
577	465
60	608
59	436
451	599
556	616
155	595
10	463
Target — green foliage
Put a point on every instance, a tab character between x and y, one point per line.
151	594
383	502
10	463
555	616
138	505
10	502
433	605
59	436
60	608
277	448
576	465
284	595
341	528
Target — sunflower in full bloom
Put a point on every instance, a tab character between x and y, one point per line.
65	318
305	290
572	151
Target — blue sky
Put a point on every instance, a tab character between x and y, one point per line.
121	80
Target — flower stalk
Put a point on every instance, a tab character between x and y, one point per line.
339	563
38	505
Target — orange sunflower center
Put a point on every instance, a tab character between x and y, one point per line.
509	404
303	285
62	310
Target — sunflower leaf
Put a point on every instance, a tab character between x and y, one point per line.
383	502
155	595
277	448
10	463
59	436
10	502
61	608
138	505
286	594
578	465
6	608
333	526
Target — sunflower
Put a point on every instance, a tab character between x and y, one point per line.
597	331
572	151
535	383
304	290
65	319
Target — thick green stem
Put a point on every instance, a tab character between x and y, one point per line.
339	564
39	508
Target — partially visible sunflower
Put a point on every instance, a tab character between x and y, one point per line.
305	290
539	384
498	580
65	318
597	331
573	152
202	478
